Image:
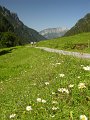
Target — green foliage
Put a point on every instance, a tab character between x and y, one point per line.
68	45
5	25
8	39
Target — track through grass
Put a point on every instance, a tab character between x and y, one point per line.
78	43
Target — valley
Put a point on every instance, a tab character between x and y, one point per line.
44	75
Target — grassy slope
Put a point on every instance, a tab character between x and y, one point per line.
67	43
23	74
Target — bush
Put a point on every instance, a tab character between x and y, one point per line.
69	46
8	39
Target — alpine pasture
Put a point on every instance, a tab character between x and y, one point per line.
38	85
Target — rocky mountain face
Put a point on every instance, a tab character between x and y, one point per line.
51	33
9	22
83	25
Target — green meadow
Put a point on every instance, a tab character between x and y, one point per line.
79	43
38	85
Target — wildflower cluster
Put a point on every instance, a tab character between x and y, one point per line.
63	90
71	86
81	85
46	83
54	108
12	116
83	117
87	68
61	75
41	100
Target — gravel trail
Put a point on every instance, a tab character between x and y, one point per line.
75	54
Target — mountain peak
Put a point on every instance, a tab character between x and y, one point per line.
50	33
4	10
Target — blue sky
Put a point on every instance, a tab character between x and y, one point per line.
42	14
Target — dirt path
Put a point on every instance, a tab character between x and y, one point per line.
75	54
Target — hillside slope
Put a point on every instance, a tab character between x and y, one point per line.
80	42
83	25
25	33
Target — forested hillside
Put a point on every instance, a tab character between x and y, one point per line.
83	25
13	31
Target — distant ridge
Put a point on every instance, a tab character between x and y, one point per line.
51	33
83	25
9	22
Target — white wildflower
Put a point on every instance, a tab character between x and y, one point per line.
52	116
43	101
87	68
58	63
54	108
63	90
71	86
67	91
28	108
46	83
12	115
83	117
53	93
78	77
81	85
61	75
39	100
60	89
54	102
